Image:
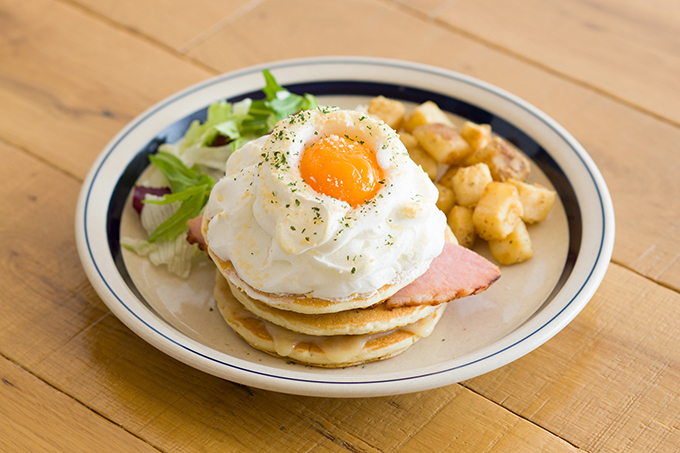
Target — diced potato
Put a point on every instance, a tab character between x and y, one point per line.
515	248
443	143
536	200
504	161
477	135
446	198
419	155
498	211
469	183
407	139
391	111
426	162
426	113
460	222
447	178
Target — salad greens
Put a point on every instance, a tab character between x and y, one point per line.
190	188
191	166
248	119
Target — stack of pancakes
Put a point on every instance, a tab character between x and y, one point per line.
319	332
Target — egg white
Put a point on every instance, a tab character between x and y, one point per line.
283	237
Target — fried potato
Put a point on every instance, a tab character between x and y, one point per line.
498	211
504	160
447	178
419	155
442	142
426	113
536	200
462	226
446	198
391	111
477	135
515	248
469	183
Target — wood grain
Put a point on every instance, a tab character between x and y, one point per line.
627	48
467	426
35	417
72	377
41	272
607	382
174	23
347	29
614	134
76	89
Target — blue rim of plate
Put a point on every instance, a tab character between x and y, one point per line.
360	88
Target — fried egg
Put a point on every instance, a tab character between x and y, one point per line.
328	205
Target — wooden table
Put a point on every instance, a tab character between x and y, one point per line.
74	378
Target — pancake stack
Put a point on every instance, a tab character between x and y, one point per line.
318	332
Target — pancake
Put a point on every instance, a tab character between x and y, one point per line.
323	351
301	303
377	318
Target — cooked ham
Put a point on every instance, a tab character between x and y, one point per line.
195	236
456	272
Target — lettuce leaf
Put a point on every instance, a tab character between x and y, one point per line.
189	188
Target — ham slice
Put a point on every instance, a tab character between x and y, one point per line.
194	236
456	272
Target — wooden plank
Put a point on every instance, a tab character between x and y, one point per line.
627	48
36	417
614	134
607	382
346	27
64	95
41	272
465	425
613	368
174	23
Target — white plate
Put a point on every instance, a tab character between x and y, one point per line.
529	304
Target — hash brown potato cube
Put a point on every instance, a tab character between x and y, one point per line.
498	211
504	161
419	155
391	111
446	198
469	183
477	135
426	113
536	200
442	142
447	178
462	226
515	248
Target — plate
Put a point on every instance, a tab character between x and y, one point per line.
531	302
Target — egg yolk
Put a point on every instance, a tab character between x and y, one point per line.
342	168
